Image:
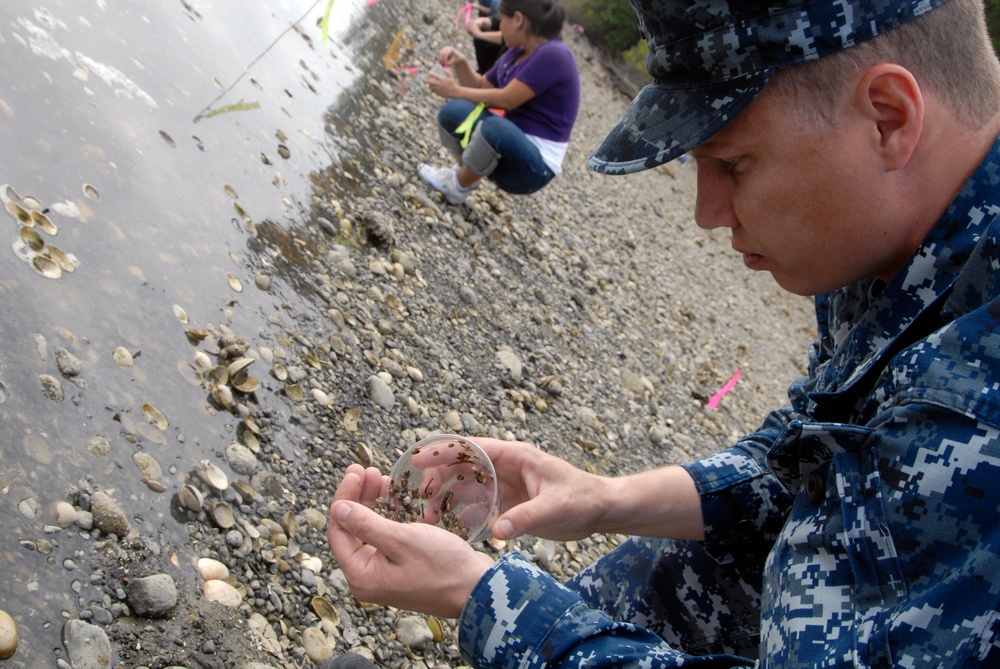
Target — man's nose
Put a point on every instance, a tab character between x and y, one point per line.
714	201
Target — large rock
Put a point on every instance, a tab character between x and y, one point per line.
87	646
152	596
108	516
380	393
8	636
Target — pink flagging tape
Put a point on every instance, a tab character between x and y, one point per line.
467	10
717	397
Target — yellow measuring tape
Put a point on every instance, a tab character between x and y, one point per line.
324	25
465	129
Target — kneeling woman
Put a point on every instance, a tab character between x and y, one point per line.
535	81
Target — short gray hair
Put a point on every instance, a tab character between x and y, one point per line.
948	50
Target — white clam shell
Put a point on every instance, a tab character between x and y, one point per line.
311	562
203	360
245	383
223	395
191	498
222	515
236	367
154	416
212	569
213	475
218	375
221	592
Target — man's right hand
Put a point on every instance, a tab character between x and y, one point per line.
542	494
550	498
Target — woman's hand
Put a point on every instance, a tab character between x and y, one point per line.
477	27
465	76
544	495
449	56
442	84
413	566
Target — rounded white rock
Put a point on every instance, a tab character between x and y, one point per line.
8	636
212	570
65	514
221	592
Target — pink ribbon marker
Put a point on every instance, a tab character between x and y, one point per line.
467	10
717	397
371	2
413	70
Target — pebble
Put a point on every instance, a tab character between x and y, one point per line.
315	518
65	514
511	363
468	296
85	521
99	446
659	435
69	365
453	421
413	632
102	616
379	392
321	397
241	459
326	226
8	636
52	388
29	508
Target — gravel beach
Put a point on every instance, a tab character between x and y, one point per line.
593	319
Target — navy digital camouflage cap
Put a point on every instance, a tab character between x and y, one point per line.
710	58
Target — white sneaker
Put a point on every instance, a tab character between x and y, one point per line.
445	181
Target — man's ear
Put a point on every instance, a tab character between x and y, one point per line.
889	96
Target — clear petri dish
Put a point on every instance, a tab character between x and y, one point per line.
445	480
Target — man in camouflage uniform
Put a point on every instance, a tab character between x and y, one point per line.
850	146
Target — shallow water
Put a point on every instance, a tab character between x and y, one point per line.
172	145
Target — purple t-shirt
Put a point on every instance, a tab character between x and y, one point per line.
550	71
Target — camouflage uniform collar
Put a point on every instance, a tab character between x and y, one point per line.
869	326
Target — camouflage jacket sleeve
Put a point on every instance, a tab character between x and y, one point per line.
741	499
519	616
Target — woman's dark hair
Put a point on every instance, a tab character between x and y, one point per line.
545	16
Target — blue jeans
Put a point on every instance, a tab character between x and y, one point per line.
520	169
